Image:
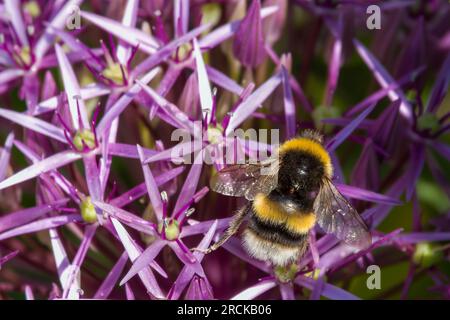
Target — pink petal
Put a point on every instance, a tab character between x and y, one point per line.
73	283
60	180
348	130
384	78
181	16
10	74
366	195
144	259
152	187
128	20
146	275
61	260
111	279
34	124
171	113
222	80
8	257
50	88
128	151
72	90
129	292
40	225
203	227
248	45
25	216
184	254
333	71
176	152
14	11
287	292
249	105
188	272
28	293
90	91
165	52
234	245
141	189
289	106
126	217
48	164
255	291
329	291
92	174
415	237
222	33
191	183
123	102
206	99
5	155
127	34
58	22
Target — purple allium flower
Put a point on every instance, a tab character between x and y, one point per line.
99	201
24	43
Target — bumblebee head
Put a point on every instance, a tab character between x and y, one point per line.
304	160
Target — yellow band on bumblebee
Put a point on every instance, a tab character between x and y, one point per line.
269	211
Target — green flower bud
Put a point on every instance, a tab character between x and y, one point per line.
88	212
113	72
25	56
211	13
426	254
286	273
33	9
215	134
183	51
171	229
86	136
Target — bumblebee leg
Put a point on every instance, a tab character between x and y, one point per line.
232	229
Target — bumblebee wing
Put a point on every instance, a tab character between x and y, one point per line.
266	181
337	216
247	180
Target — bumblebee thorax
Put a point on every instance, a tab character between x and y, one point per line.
304	157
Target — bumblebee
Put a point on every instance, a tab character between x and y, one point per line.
288	195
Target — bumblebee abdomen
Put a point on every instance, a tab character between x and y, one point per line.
286	219
275	252
277	231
